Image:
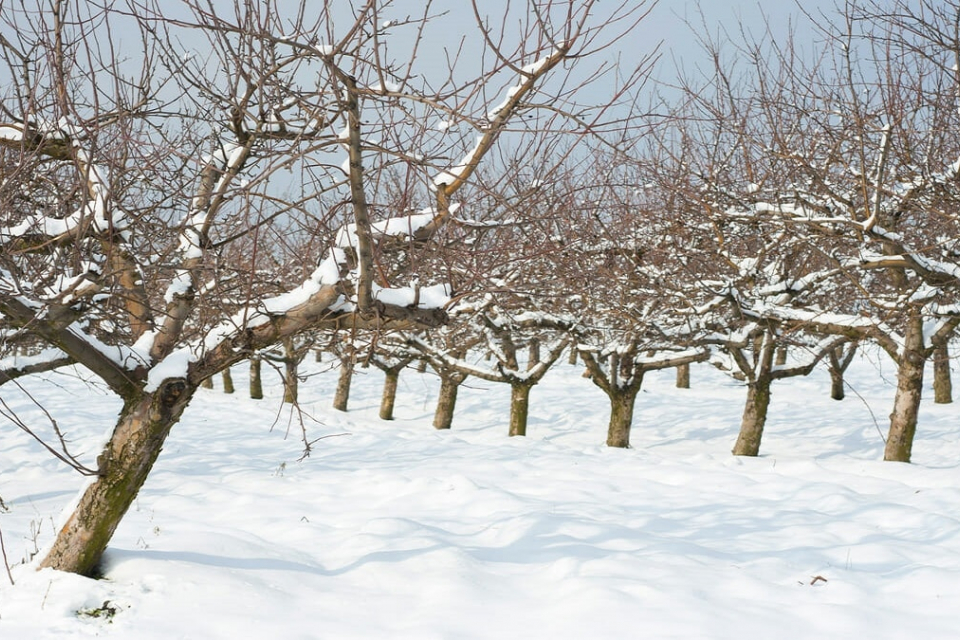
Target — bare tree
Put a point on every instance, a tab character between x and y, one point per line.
141	195
842	159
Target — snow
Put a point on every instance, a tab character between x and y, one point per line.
394	530
452	175
404	226
17	361
385	87
11	132
173	366
432	297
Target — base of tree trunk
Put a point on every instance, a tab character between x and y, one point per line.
683	376
446	401
754	419
256	382
123	466
837	388
389	394
342	396
519	408
906	403
621	420
227	381
942	382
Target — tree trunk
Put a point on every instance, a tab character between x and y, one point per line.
533	354
447	400
519	407
342	396
123	466
256	382
207	383
906	404
837	390
781	356
683	376
622	402
227	381
291	382
572	358
754	417
840	358
942	384
389	394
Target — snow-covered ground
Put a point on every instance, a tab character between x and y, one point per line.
393	530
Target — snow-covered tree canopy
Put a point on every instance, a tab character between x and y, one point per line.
189	182
186	183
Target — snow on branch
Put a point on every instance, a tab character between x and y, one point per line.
95	215
217	170
450	180
48	359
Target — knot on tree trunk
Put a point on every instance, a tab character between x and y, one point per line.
171	391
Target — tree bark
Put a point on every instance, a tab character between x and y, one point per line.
291	381
942	383
840	358
622	402
906	404
342	396
227	381
256	382
389	394
683	376
447	400
837	387
754	417
781	359
519	407
123	466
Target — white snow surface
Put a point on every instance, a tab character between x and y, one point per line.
394	530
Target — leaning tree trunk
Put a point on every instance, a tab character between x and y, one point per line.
519	407
342	395
123	466
256	381
942	384
447	400
622	402
683	376
389	393
906	404
754	417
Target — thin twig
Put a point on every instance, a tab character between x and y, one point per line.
6	564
